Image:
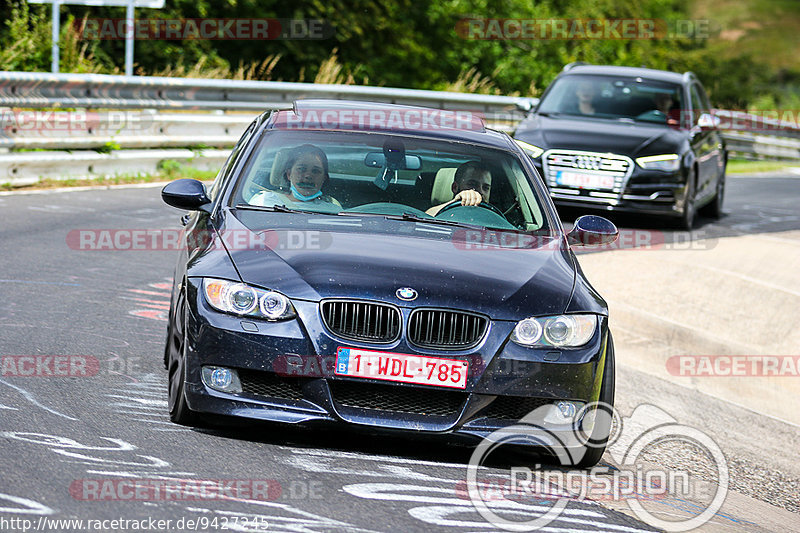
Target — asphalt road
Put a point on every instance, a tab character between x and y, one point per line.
63	437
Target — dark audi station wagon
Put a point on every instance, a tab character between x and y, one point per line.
628	139
389	268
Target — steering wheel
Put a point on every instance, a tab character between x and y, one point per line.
652	115
457	203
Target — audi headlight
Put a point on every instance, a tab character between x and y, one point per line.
562	331
244	300
531	150
665	162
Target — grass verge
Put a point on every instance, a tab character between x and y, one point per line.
744	166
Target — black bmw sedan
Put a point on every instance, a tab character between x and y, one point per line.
389	268
628	139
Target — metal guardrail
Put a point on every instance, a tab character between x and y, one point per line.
120	113
28	168
118	129
33	89
126	114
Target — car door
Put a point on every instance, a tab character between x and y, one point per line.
716	145
703	141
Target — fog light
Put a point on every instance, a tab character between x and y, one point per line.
563	412
221	379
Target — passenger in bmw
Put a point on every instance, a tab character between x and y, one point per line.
306	171
472	184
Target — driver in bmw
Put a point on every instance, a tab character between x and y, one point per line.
472	184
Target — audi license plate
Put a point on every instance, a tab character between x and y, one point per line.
583	180
400	367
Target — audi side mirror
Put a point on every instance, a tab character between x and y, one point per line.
526	104
707	121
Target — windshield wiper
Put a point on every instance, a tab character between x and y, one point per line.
276	209
359	214
416	218
411	218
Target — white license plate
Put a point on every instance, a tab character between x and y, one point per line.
400	367
584	181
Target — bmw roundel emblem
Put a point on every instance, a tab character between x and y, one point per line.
406	293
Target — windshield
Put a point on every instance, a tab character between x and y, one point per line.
409	178
611	97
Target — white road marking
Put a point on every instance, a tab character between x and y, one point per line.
368	457
28	396
64	442
155	462
26	506
143	401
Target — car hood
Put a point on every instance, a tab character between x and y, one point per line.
504	283
598	135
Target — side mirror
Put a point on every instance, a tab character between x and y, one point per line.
592	230
706	121
186	194
526	104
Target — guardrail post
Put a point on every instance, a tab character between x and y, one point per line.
129	22
56	31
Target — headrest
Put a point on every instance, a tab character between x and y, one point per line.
443	186
276	175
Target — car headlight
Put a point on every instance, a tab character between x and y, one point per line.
531	150
240	299
562	331
665	162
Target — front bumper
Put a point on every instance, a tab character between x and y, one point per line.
645	191
286	369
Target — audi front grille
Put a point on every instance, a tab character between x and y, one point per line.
615	168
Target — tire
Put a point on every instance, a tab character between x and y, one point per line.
179	411
599	438
714	209
167	344
686	221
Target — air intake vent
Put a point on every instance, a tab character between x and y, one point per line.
270	385
514	407
398	398
443	329
362	321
